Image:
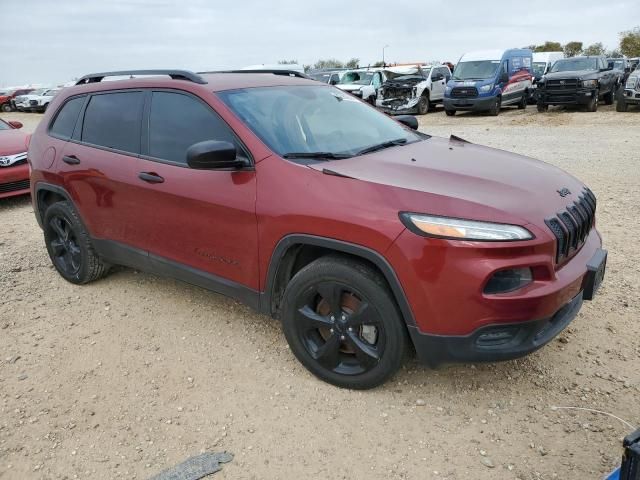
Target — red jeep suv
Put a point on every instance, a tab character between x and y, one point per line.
365	237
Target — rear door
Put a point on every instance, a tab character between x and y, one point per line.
98	164
199	221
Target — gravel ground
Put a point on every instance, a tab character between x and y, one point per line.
134	373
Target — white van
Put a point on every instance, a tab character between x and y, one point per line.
542	62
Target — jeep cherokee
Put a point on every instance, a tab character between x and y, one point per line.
365	237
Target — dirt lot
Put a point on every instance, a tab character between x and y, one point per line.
132	374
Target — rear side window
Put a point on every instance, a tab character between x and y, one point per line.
113	120
65	121
177	121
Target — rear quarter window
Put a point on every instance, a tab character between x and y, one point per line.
65	121
113	120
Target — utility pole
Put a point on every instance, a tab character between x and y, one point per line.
383	62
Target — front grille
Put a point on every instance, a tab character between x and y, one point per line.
33	102
14	186
464	92
571	226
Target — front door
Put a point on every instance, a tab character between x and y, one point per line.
200	221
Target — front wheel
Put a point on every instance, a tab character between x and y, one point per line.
6	107
494	111
523	101
592	106
342	323
622	105
543	107
423	105
450	113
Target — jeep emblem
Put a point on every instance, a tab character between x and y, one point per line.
564	192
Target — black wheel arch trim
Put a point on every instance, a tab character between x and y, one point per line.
339	246
38	208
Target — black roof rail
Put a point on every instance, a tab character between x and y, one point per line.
174	74
286	73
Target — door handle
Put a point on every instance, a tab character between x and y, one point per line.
150	177
71	159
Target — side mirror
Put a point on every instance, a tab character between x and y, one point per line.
504	77
15	124
212	155
408	120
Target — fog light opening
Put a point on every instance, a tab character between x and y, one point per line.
508	280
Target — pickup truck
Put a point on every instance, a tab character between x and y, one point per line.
7	98
630	94
36	101
578	81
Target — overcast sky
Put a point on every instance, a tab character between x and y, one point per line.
53	41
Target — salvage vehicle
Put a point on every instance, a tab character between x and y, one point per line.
622	66
578	81
363	83
331	77
14	171
630	94
542	62
412	89
486	81
7	98
366	238
36	101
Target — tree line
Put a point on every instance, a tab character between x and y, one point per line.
629	46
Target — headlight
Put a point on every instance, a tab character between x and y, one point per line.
486	88
458	229
589	83
447	89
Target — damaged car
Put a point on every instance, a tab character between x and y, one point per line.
363	83
412	89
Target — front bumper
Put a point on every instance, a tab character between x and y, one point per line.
398	106
14	180
581	96
477	104
631	96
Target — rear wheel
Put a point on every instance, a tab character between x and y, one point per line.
423	104
543	107
69	245
450	113
622	105
6	107
523	101
592	106
610	97
342	323
494	111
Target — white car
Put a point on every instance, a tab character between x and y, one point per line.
363	83
36	101
412	88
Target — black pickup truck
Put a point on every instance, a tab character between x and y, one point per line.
578	81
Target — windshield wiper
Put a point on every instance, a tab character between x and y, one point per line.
383	145
318	155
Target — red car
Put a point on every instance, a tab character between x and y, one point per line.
14	171
366	238
7	98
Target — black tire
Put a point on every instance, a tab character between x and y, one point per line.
69	245
622	105
494	111
524	101
326	331
423	104
372	100
450	113
6	107
592	106
610	97
543	107
44	108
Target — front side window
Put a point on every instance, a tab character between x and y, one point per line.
177	121
113	120
307	119
65	121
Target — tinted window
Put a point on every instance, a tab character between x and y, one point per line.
177	121
66	119
113	120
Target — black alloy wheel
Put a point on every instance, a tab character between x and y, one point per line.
65	252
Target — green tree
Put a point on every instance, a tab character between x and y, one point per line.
630	42
595	49
352	63
549	47
287	62
615	53
328	63
573	49
378	64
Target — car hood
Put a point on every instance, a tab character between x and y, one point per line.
572	74
349	87
452	175
12	141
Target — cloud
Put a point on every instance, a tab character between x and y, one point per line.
51	42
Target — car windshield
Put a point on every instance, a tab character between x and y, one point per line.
357	78
618	64
574	65
4	126
39	91
321	77
538	68
476	70
310	119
